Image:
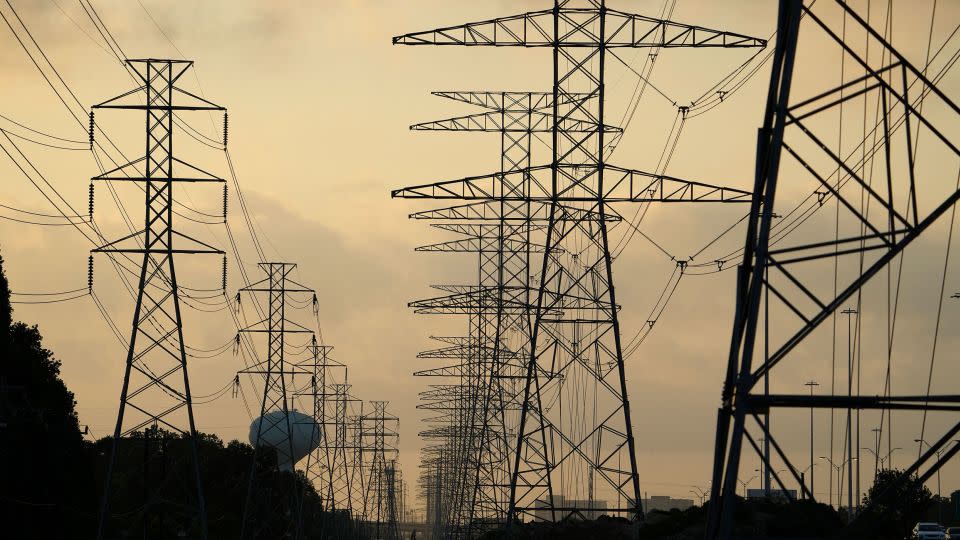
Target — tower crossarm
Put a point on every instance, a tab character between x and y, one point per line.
575	184
497	101
490	210
535	29
511	122
478	245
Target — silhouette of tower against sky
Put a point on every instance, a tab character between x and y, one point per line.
781	298
575	355
274	517
155	396
476	493
320	461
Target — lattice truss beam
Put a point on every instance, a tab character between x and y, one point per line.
881	195
573	329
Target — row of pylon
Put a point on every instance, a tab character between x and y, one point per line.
351	462
531	420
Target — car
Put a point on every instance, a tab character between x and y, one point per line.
928	531
953	533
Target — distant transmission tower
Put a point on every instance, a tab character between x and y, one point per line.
156	388
274	428
343	448
379	434
500	232
320	464
575	335
781	299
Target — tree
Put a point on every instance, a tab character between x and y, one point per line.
43	457
892	507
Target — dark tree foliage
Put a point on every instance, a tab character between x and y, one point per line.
754	519
51	480
43	458
891	507
225	473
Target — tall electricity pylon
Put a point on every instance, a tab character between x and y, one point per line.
392	477
379	435
341	461
575	333
274	428
156	387
320	465
500	314
780	299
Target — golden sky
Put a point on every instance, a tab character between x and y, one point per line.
319	105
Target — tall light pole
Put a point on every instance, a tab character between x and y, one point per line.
746	483
884	459
802	473
701	493
830	461
811	384
839	479
939	453
850	312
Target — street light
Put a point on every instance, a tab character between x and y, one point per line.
839	478
811	384
702	494
747	483
938	453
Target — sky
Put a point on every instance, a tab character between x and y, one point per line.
320	103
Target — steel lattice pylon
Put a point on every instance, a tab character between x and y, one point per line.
378	434
501	233
321	461
780	303
273	426
156	388
574	332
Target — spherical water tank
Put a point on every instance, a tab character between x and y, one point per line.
304	436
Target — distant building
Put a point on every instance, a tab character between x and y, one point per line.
774	494
588	509
665	503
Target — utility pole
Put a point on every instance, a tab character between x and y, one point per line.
850	312
581	295
811	384
156	386
273	430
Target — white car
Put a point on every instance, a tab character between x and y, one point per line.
928	531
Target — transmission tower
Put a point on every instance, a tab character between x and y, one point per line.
780	303
575	330
342	452
393	479
274	428
156	388
320	461
378	435
500	232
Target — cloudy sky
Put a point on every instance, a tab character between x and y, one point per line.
319	105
